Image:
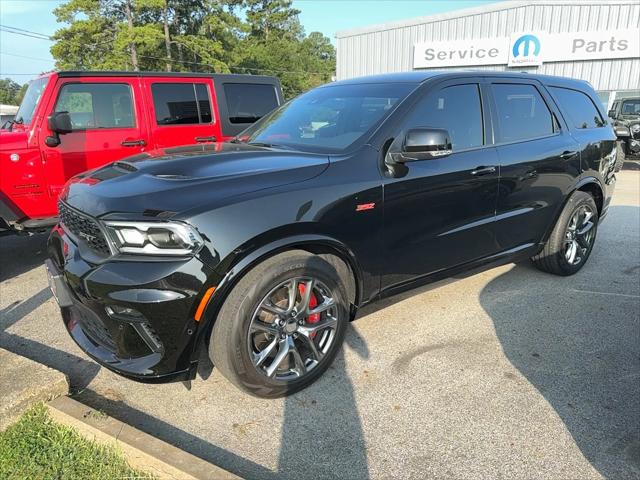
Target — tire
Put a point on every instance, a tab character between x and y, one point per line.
233	349
620	156
554	256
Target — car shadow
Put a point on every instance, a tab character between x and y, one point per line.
581	351
79	371
21	253
322	435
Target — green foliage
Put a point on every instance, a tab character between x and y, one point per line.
10	92
37	447
238	36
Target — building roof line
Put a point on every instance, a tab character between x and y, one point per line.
467	12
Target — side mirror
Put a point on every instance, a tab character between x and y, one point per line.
59	123
612	113
424	144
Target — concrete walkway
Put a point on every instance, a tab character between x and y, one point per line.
24	382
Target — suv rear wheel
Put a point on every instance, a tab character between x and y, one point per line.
281	326
572	238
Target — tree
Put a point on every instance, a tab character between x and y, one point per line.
193	35
9	92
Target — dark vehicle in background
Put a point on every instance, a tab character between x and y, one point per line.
625	114
70	122
263	248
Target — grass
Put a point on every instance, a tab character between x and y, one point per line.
37	448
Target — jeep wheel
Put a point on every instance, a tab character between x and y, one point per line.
620	155
572	238
281	326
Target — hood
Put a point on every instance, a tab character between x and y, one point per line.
11	140
174	180
628	119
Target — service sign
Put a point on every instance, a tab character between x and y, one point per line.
528	49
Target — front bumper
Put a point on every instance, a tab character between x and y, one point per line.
135	318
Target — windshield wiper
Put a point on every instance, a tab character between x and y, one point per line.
8	125
268	145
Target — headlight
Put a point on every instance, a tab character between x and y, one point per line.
154	238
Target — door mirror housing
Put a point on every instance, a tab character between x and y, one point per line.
60	123
612	113
424	144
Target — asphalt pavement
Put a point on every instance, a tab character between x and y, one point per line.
509	373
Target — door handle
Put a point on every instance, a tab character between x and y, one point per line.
568	154
212	138
483	171
133	143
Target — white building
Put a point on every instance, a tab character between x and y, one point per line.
597	41
7	112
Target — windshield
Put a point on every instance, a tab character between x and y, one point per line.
327	119
631	107
30	100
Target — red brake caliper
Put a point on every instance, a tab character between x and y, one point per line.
313	303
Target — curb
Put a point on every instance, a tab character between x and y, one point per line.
23	383
141	450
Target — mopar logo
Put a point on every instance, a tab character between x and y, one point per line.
526	42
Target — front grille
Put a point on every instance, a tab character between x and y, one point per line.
84	228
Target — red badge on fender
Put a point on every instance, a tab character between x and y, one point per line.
365	206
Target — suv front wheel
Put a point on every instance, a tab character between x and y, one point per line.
572	238
620	155
281	326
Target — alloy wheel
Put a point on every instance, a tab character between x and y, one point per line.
579	235
293	328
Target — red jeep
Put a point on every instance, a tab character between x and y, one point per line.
70	122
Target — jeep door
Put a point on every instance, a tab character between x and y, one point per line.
181	111
439	213
108	124
539	161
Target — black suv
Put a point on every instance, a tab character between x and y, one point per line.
262	249
625	114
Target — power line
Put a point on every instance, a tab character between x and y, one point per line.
46	37
41	36
25	56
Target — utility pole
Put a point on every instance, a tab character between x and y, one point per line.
132	45
167	38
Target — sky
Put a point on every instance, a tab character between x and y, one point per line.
22	58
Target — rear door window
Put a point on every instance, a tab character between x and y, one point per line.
181	103
578	107
97	105
522	113
249	102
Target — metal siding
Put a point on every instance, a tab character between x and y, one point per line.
390	49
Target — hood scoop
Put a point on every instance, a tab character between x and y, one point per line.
171	176
125	166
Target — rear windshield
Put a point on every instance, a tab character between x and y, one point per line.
328	119
30	100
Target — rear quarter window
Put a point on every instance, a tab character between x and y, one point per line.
579	109
249	102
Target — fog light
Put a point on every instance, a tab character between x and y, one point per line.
123	313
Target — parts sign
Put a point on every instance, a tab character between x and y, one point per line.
528	49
